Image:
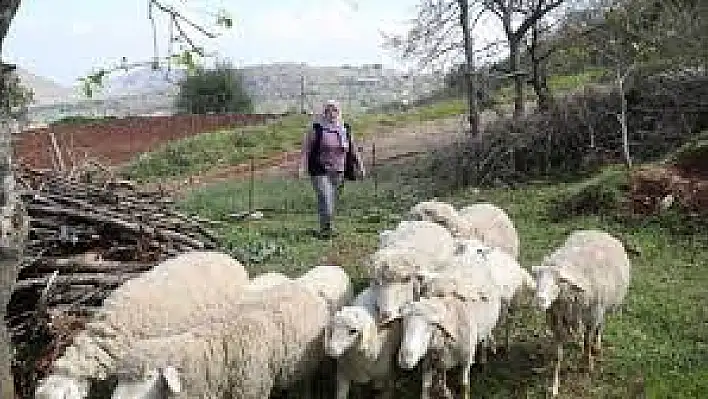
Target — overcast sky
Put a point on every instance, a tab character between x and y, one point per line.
65	39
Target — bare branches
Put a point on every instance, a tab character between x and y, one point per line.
178	22
176	15
433	34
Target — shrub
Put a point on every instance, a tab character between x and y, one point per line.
579	135
218	90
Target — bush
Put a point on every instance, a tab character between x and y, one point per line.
218	90
578	136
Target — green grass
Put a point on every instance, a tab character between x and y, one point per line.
558	84
225	147
206	151
659	341
562	83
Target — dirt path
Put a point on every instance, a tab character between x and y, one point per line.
386	144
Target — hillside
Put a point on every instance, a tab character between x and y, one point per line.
275	88
46	91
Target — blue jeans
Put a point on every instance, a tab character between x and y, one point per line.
327	188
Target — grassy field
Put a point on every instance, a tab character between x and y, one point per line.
657	345
236	146
556	83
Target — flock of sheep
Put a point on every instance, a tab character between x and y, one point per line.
443	283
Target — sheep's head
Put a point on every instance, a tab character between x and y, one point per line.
330	282
421	320
62	387
547	286
394	280
351	325
157	384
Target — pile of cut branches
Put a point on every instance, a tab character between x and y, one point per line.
87	236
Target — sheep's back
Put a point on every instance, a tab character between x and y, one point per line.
491	225
329	282
427	239
174	292
597	263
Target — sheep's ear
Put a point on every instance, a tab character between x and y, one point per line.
368	336
172	378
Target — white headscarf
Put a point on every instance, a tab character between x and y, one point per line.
338	124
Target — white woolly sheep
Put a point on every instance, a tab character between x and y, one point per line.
329	282
364	351
412	246
435	211
500	269
484	221
138	309
448	328
223	360
577	285
491	225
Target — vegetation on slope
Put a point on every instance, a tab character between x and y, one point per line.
236	146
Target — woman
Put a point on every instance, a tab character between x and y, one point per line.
324	152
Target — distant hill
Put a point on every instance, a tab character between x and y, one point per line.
46	91
275	88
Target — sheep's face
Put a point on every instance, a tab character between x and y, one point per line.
547	288
394	280
61	387
158	384
418	326
350	325
391	295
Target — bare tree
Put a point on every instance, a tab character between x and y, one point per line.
13	219
440	33
518	17
645	36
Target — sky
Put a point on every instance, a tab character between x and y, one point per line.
64	40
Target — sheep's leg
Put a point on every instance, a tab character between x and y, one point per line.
598	339
466	370
507	327
427	380
483	351
588	339
556	370
343	384
466	393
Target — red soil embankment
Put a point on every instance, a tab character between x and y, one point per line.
113	142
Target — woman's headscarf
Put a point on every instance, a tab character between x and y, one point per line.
337	124
335	104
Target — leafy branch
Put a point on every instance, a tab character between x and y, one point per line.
188	57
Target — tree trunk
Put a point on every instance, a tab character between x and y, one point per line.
13	227
539	73
623	119
469	68
514	69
